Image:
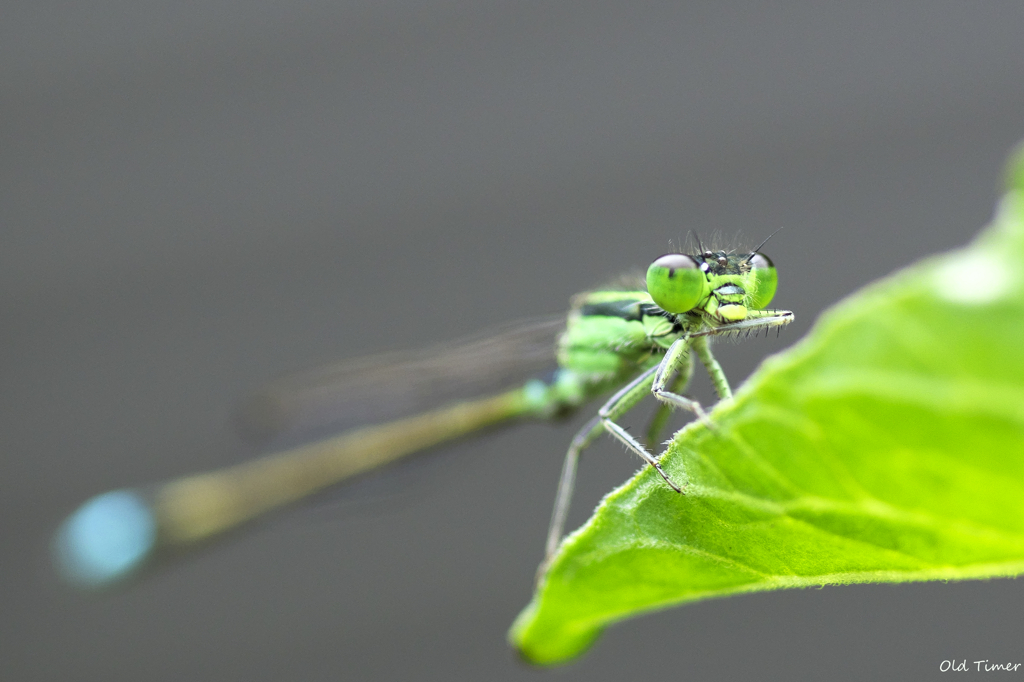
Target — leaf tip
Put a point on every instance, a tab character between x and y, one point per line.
541	643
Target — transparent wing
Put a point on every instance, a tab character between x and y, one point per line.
380	388
386	407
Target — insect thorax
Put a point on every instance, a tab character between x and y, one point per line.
611	335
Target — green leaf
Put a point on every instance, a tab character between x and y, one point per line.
887	446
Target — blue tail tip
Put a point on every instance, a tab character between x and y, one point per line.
105	540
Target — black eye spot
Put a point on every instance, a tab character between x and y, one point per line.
723	261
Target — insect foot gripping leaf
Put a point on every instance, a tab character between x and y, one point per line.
887	446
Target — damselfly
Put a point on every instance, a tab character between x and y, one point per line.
630	341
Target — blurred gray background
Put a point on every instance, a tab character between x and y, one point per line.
196	197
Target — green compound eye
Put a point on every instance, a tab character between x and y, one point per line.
676	283
766	279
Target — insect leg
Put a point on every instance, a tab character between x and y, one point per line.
621	403
617	405
703	349
678	359
676	386
756	320
566	483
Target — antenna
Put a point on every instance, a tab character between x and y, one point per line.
699	245
762	244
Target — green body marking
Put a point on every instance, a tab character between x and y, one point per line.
631	342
